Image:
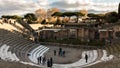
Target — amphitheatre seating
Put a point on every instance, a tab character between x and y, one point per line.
113	49
108	49
19	48
37	52
28	50
7	55
93	59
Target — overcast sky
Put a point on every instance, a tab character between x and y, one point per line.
20	7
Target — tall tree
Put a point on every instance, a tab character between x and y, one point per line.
11	16
111	17
119	10
78	14
68	14
30	17
57	14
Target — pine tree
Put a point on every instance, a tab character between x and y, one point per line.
119	10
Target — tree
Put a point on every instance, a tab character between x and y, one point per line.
119	10
91	15
11	16
96	16
57	14
85	12
68	14
16	17
30	17
41	13
52	11
111	17
78	14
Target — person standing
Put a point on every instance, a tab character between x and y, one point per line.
63	53
38	60
44	60
60	52
86	58
51	62
54	52
48	63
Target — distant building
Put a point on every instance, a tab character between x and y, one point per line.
79	31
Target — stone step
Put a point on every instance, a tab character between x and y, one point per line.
35	53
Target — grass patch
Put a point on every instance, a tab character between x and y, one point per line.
75	42
96	43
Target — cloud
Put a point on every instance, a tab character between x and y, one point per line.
71	4
20	7
99	5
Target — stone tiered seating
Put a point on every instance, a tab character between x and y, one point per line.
7	55
113	49
37	52
108	49
19	48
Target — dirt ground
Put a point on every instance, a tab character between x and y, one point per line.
114	63
8	64
71	55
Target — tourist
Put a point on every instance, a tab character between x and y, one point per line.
51	62
48	63
63	53
86	57
60	52
44	60
54	52
38	60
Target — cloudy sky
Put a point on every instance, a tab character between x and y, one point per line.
20	7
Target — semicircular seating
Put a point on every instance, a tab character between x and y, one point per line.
37	52
18	49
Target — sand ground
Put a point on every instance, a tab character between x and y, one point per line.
72	55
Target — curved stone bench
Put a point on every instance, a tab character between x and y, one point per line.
2	48
27	53
35	53
92	57
92	60
108	49
7	55
100	55
17	50
24	50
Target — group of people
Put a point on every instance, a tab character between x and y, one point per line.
42	60
49	62
60	52
5	20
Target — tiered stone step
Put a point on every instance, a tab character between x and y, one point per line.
113	49
37	52
7	55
